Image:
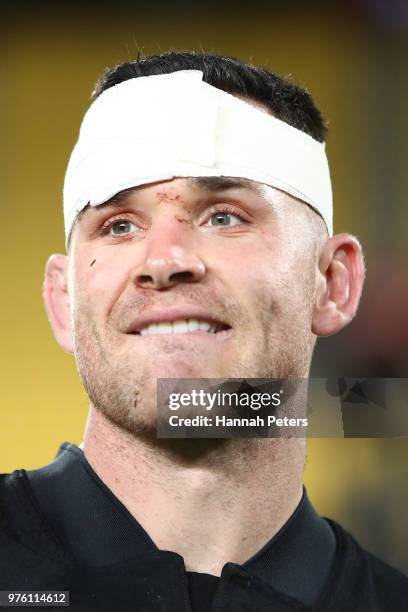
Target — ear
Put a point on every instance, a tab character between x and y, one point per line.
339	284
56	299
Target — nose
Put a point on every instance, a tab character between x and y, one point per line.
170	255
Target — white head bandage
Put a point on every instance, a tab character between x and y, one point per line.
155	128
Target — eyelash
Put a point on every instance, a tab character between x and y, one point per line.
216	209
108	224
232	210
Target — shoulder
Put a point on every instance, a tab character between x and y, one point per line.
16	499
27	544
389	582
366	577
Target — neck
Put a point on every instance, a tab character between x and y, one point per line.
219	505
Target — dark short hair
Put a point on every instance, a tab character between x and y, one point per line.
284	99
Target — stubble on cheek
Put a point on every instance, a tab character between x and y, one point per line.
283	339
107	379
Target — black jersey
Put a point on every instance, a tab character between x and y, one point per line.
61	529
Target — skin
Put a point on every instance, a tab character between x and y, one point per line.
275	277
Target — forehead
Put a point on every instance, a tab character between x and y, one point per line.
209	184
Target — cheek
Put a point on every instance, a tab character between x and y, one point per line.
253	279
275	279
260	262
99	279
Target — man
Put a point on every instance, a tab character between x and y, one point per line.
200	244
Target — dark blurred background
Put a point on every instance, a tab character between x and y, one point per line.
353	57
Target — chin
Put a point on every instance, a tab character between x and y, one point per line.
178	368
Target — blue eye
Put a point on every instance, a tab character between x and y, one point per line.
123	226
224	219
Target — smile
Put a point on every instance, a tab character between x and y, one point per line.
190	321
181	326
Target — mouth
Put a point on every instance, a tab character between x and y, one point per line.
181	326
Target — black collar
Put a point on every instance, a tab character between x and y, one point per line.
98	530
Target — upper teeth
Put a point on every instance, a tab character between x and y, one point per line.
178	327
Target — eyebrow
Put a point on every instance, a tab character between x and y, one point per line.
222	183
117	200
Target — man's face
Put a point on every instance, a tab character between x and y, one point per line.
236	255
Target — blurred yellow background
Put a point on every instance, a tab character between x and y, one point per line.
353	58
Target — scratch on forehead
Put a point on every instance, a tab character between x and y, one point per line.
169	194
